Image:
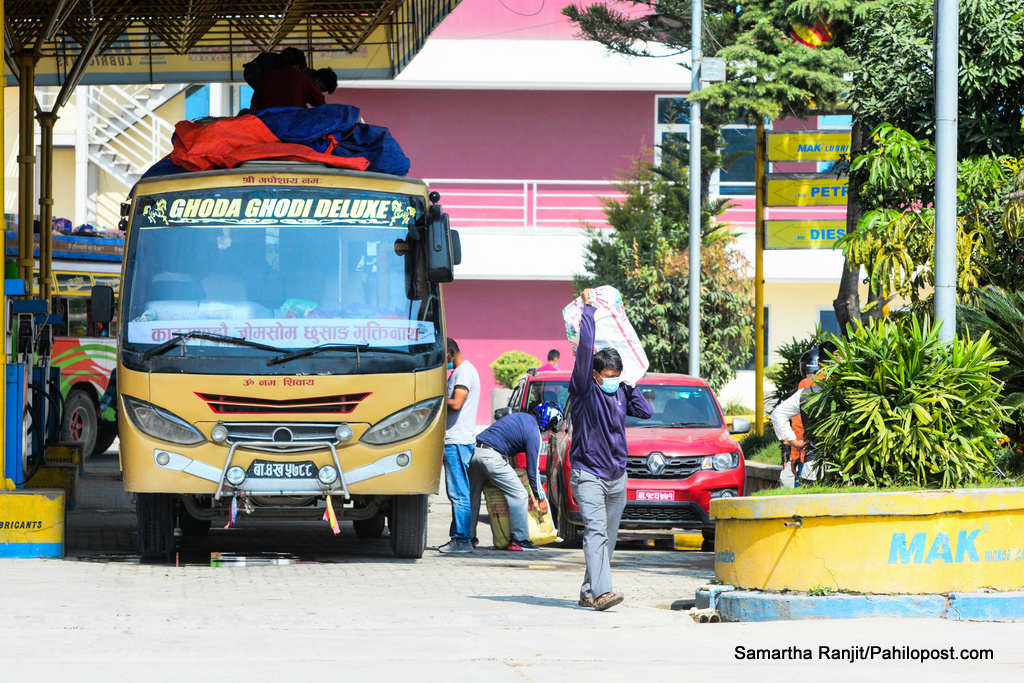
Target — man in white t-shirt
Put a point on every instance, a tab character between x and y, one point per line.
459	445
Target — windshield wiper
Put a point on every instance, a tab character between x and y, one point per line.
688	424
302	353
209	336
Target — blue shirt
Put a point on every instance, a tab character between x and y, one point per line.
517	433
599	419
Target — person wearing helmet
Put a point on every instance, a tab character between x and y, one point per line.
793	426
496	446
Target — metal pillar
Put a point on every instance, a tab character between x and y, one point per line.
46	123
695	149
26	165
947	27
759	278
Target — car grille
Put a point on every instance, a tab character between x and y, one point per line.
281	433
221	404
675	468
662	514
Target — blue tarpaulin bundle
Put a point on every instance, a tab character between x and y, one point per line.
332	129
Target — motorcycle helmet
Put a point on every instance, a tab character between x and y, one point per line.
810	363
549	415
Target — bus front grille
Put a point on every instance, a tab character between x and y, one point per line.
236	405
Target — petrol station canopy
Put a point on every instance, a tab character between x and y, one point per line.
100	42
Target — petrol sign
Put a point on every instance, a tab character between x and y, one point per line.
800	189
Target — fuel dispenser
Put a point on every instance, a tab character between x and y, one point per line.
31	519
33	397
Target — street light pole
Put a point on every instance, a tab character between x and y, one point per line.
694	296
947	84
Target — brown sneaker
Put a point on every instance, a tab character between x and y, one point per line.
608	600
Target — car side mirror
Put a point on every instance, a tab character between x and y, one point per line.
501	412
740	425
102	301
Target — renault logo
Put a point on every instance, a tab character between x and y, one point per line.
656	464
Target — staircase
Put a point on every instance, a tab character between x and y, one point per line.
126	135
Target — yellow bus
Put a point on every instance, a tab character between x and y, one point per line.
281	347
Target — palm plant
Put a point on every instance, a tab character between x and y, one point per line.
1000	313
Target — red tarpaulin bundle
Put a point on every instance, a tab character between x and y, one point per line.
225	143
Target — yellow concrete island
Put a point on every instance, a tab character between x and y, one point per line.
915	542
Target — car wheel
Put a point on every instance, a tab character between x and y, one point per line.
80	421
567	531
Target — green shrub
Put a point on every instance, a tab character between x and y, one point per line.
1001	313
901	408
785	374
762	448
509	366
736	407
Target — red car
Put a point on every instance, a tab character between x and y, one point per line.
530	391
678	461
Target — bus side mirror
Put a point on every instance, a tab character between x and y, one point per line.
440	251
102	304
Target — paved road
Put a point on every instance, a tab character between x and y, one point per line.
342	607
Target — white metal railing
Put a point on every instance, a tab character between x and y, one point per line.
474	202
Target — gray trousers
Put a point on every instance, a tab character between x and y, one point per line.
489	464
601	502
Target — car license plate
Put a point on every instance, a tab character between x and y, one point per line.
655	495
264	469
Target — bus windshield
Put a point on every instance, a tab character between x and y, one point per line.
289	268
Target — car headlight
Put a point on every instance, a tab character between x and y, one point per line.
405	424
721	462
160	424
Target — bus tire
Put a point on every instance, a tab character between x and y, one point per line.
370	528
80	421
104	437
154	513
408	523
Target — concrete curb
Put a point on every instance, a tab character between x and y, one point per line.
753	606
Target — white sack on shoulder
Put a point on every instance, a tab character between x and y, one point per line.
612	329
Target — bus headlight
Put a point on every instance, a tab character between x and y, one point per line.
405	424
160	424
235	475
327	474
219	433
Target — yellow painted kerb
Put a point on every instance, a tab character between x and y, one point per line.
917	542
32	523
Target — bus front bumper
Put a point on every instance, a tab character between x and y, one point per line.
253	483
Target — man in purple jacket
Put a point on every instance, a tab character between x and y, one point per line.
600	403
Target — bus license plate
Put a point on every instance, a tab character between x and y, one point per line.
655	495
264	469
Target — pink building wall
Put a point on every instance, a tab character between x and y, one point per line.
500	134
489	317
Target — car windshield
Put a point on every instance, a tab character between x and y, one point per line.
678	406
555	392
291	268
